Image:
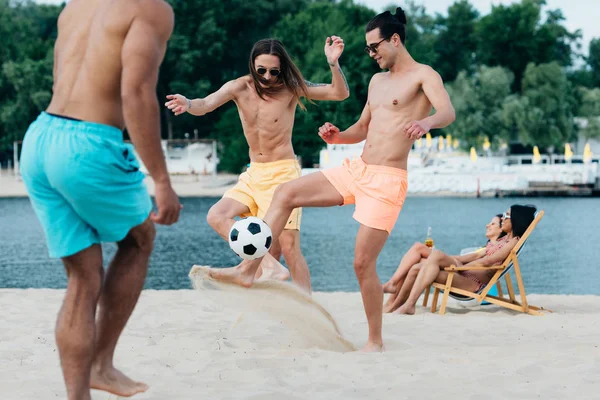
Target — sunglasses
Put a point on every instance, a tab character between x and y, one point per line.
505	216
372	48
274	72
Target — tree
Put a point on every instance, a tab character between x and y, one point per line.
543	116
594	61
28	31
456	42
590	110
514	36
478	101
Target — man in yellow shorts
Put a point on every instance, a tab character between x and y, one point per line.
266	100
397	112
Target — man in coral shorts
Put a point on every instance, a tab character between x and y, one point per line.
397	112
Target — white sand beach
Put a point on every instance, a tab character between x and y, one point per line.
187	347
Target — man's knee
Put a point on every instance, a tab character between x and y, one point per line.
289	242
85	269
285	196
363	267
141	238
214	216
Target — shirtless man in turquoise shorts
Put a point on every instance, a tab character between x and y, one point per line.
84	181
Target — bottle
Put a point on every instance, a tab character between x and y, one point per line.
429	240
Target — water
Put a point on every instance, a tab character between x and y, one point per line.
560	257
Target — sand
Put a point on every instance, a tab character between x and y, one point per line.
188	347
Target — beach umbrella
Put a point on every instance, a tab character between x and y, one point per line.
486	144
473	155
536	155
428	140
449	141
587	153
455	143
440	143
568	152
418	143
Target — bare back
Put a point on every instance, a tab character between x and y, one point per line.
88	59
393	103
267	123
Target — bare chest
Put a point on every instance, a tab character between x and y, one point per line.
256	111
395	95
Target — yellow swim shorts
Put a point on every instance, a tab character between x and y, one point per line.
256	186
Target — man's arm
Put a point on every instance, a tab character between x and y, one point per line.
142	53
180	104
354	134
357	132
436	93
226	93
338	88
434	89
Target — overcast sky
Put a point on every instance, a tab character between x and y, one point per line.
579	14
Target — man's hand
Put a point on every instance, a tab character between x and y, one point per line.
178	103
416	129
167	204
329	133
334	47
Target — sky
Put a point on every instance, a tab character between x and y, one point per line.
579	14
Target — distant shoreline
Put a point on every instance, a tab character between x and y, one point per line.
201	186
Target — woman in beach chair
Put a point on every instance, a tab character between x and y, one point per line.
514	223
418	253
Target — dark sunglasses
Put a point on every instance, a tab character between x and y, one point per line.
372	48
262	71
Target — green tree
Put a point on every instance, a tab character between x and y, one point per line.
590	110
456	42
478	101
543	116
594	61
26	57
514	36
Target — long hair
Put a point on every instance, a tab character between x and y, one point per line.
290	77
521	217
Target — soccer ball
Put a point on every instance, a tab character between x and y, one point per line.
250	238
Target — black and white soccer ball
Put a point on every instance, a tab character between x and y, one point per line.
250	238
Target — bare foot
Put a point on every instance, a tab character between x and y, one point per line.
272	269
115	382
371	347
232	275
405	309
387	308
389	287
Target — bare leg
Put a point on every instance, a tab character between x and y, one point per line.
429	271
313	190
290	245
270	267
369	243
402	292
412	257
221	218
75	330
124	282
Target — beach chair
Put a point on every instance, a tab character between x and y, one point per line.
511	263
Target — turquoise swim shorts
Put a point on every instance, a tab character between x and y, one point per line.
83	181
